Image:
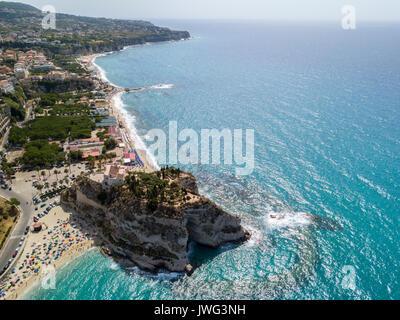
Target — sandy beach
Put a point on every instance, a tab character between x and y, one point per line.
63	238
115	108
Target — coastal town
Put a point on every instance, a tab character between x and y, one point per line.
58	121
106	151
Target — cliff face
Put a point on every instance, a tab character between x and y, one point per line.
145	228
51	50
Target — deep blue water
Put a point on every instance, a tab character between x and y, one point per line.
325	107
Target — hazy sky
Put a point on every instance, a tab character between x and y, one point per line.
374	10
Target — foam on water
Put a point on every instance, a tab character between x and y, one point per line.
114	266
101	71
256	235
160	275
278	220
130	119
162	86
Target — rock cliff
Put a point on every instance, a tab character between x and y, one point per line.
149	220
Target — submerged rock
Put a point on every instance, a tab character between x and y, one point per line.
189	270
149	220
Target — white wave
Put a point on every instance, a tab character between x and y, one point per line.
114	266
130	120
101	71
279	220
256	236
161	86
161	275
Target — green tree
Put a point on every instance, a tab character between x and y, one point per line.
13	211
56	172
14	202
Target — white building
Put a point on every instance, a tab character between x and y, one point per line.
6	87
115	175
56	75
21	73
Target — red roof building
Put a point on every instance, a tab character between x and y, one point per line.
94	153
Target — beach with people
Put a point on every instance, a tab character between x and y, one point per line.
60	237
116	108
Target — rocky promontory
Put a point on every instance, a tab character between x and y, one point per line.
149	220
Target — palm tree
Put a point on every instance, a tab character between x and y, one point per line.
69	163
56	173
91	162
100	163
13	211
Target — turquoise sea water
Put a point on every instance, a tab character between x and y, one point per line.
325	107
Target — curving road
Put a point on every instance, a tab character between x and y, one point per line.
24	221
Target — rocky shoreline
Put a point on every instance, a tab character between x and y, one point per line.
155	238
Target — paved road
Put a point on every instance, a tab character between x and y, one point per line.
5	139
25	219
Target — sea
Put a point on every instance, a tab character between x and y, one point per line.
323	201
